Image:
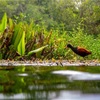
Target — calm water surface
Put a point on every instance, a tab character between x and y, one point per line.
50	83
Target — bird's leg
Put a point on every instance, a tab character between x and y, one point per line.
85	58
74	58
81	59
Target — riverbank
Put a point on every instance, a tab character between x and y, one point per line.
50	63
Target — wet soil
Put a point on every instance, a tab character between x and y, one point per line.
50	63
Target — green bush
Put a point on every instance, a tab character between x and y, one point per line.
29	40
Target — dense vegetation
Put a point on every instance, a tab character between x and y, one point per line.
32	29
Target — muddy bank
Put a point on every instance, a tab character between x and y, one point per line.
50	63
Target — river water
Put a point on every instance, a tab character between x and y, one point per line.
50	82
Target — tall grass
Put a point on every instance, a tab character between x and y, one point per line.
30	41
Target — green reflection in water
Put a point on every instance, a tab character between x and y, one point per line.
38	82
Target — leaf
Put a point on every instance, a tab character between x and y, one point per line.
11	24
17	35
30	31
37	50
21	45
3	24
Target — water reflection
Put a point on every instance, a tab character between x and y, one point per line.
76	95
78	75
62	95
49	83
15	96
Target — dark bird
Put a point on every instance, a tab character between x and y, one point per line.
79	50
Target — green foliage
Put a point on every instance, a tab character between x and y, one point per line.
37	51
18	33
28	41
21	45
3	24
54	13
